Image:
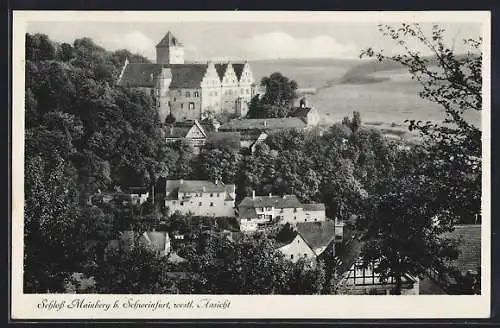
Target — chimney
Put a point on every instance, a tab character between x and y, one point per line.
270	195
253	194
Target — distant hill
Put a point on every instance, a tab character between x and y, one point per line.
309	62
361	74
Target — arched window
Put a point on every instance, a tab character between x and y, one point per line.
196	94
188	94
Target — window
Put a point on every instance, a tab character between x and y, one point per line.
182	203
174	99
182	106
295	218
211	204
211	195
305	255
305	220
282	210
191	105
188	94
248	219
291	256
199	204
218	194
295	210
196	94
298	241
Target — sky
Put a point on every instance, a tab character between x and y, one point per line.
244	40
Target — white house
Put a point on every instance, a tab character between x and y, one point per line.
200	197
259	211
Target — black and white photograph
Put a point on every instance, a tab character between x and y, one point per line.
307	157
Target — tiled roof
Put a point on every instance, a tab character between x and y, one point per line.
286	201
187	75
264	124
238	69
314	207
139	75
286	235
299	111
469	247
177	132
348	252
169	40
247	213
221	69
183	75
230	140
176	186
317	234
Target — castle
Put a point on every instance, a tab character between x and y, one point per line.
189	91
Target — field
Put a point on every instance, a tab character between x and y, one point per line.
385	104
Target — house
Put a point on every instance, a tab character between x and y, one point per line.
158	241
308	240
193	133
200	197
189	91
468	263
308	114
139	195
352	278
257	212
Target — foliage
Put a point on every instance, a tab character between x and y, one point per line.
277	100
456	84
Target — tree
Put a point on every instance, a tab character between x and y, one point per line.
401	235
454	82
354	123
277	100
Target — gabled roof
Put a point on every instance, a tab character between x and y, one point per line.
285	201
169	40
469	247
317	234
264	124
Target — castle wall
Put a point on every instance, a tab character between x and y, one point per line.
185	104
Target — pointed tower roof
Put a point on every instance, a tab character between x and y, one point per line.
169	40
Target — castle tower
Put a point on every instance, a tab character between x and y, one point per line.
169	50
163	81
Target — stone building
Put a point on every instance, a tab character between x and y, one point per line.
189	91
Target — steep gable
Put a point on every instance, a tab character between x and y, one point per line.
169	40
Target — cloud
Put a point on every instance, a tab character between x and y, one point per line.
135	42
283	45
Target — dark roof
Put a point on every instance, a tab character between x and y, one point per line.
230	140
314	207
139	75
264	124
221	69
247	213
286	235
469	247
317	234
238	70
285	201
299	111
176	186
183	75
187	75
169	40
177	132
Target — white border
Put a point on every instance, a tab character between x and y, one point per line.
24	306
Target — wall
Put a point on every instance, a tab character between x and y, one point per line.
179	104
220	207
298	248
170	55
